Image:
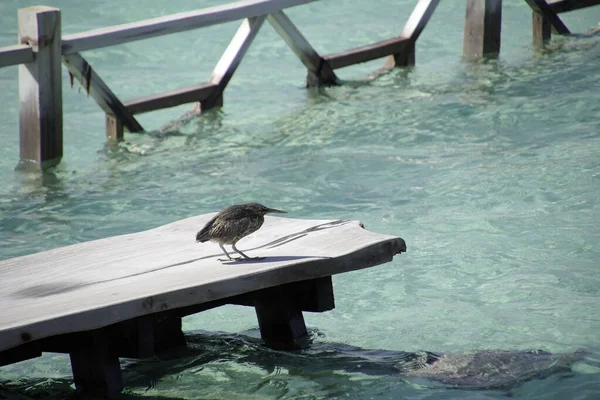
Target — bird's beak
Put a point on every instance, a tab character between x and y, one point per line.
272	210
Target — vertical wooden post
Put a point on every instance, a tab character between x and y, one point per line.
96	368
542	28
404	59
483	25
114	128
40	87
280	319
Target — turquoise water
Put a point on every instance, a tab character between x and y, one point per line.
489	171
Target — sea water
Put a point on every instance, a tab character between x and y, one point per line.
489	170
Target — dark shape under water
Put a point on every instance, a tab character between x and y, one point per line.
486	369
495	369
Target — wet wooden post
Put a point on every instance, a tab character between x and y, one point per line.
96	368
40	87
545	21
482	28
279	310
542	29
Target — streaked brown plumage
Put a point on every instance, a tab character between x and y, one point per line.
233	223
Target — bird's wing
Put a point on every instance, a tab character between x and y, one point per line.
203	235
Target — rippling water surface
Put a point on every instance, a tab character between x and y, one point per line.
489	171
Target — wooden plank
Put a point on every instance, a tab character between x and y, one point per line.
180	22
542	7
483	25
561	6
40	88
173	98
322	73
367	53
231	59
88	78
90	285
15	55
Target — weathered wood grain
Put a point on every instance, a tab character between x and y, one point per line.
540	6
541	28
483	26
180	22
15	55
94	284
40	88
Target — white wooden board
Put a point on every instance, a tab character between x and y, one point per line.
98	283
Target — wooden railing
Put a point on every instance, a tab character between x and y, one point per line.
42	49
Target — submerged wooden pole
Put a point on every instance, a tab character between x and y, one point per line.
541	28
545	21
482	28
40	88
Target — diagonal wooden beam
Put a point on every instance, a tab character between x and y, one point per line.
542	7
80	69
320	72
415	24
231	59
560	6
419	18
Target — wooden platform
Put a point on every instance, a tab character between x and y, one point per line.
124	296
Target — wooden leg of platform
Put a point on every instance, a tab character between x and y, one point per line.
281	323
96	369
168	334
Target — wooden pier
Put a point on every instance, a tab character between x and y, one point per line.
124	296
42	49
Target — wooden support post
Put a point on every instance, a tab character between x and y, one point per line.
168	334
281	325
40	88
96	369
545	21
542	29
231	59
482	28
114	128
404	59
319	71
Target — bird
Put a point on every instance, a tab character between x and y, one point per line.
233	223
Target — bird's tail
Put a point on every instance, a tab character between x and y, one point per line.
202	236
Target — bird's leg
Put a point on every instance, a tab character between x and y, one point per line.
245	256
229	258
